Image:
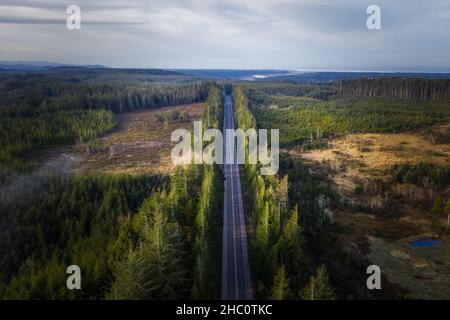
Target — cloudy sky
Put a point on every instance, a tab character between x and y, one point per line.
281	34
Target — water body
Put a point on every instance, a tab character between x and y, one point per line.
425	243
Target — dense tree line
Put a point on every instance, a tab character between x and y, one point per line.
275	102
213	113
208	221
26	98
19	135
171	249
277	236
258	91
399	88
59	220
134	237
207	231
311	122
22	134
39	111
422	174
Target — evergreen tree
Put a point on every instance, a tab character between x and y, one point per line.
447	212
280	285
155	269
292	245
128	276
447	207
437	206
318	287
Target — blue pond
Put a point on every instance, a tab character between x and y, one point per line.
424	243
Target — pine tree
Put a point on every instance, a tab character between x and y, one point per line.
128	275
161	250
283	192
318	287
447	213
262	227
437	207
447	207
207	243
155	270
292	253
280	285
126	240
201	245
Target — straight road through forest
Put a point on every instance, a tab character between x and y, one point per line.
236	279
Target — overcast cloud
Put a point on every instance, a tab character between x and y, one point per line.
280	34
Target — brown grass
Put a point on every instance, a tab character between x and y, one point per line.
381	151
360	161
141	144
425	272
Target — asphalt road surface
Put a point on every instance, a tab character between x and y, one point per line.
236	279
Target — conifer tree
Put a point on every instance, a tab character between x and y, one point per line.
318	287
437	206
280	285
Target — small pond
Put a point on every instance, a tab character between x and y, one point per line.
425	243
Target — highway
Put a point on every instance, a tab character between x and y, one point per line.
236	279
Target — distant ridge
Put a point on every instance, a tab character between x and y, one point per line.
268	75
302	76
40	65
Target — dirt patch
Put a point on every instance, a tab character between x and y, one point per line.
381	151
358	167
140	144
414	268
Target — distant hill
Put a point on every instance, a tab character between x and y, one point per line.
8	66
271	75
69	69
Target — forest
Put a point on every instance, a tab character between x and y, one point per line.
311	122
159	236
65	220
284	218
171	248
422	174
134	237
398	88
28	96
317	91
38	111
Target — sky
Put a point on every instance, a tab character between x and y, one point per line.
231	34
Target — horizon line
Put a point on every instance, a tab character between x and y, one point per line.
293	70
